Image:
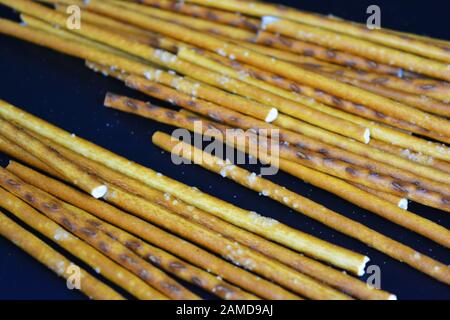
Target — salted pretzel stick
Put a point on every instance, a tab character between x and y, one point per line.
381	132
55	261
195	124
190	22
170	243
165	58
400	202
233	251
298	262
46	154
100	20
421	102
323	135
328	217
43	26
161	258
298	92
239	255
335	25
10	148
235	215
417	86
364	48
411	155
322	53
64	215
186	250
224	17
117	62
195	56
80	249
282	68
235	119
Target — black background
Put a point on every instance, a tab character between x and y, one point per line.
62	91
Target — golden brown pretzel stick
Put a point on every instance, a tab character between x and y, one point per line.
380	132
422	226
411	155
168	60
408	220
157	256
91	184
239	120
220	16
408	61
52	259
324	54
400	202
332	219
232	251
421	102
419	86
297	91
43	26
182	248
63	214
97	19
299	262
278	233
109	269
336	25
171	61
190	22
121	63
327	164
296	73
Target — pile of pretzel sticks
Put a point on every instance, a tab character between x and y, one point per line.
362	114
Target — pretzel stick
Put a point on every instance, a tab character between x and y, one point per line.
412	156
192	123
109	269
184	249
115	61
380	132
330	218
38	24
422	102
255	76
322	53
416	86
190	22
278	233
234	252
157	256
92	185
318	118
299	262
378	36
234	119
282	68
64	214
400	202
100	20
55	261
327	165
165	58
224	17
